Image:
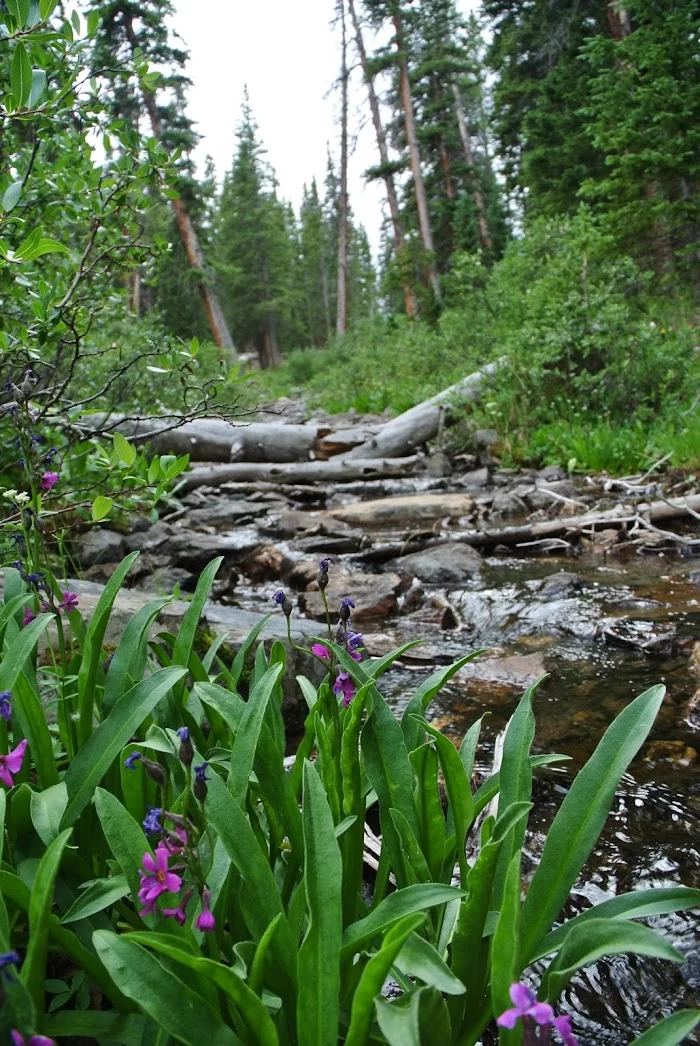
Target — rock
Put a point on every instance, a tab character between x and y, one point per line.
450	564
263	563
477	479
551	472
694	661
563	583
193	551
675	752
517	671
151	539
298	573
692	711
374	595
485	439
329	546
508	504
437	613
405	510
100	546
651	637
438	465
220	510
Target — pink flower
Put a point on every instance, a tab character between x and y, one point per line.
156	880
563	1026
69	602
179	913
49	480
525	1004
175	840
205	920
12	764
29	616
345	686
34	1040
321	651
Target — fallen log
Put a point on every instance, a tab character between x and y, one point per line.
334	471
421	423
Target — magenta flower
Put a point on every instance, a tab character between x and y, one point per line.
156	880
179	914
345	686
12	764
525	1004
205	921
49	480
34	1040
29	616
563	1027
69	602
175	840
321	651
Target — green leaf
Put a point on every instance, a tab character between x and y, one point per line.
671	1030
591	940
47	809
125	452
399	1020
21	75
504	944
257	1019
46	8
419	959
246	743
38	247
640	904
486	791
458	788
124	836
129	661
99	895
33	972
394	907
93	20
11	196
130	1029
425	693
26	703
94	760
318	1012
38	86
101	507
581	817
163	996
184	643
239	661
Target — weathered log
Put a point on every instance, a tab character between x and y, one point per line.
419	424
410	508
276	442
334	471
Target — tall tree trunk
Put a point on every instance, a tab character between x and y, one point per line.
392	198
446	171
484	235
215	317
414	152
341	323
618	19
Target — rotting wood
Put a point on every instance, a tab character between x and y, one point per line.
334	471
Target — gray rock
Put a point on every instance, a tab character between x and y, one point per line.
563	583
551	472
449	564
438	465
477	479
484	439
507	504
374	595
100	546
517	671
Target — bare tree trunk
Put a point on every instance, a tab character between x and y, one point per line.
414	153
341	324
618	19
484	234
133	289
396	220
215	317
446	171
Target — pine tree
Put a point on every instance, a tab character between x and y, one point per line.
313	266
341	324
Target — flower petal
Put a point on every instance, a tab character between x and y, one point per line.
542	1012
508	1019
6	776
149	863
521	997
13	761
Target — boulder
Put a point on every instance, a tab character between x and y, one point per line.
515	672
450	564
374	595
508	504
263	563
100	546
563	583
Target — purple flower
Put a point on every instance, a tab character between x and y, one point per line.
157	879
525	1004
69	601
8	959
345	605
563	1027
175	840
345	686
151	822
200	772
131	760
323	564
205	920
200	782
5	706
321	651
186	751
49	480
280	598
355	641
34	1040
179	914
35	579
183	733
29	616
12	764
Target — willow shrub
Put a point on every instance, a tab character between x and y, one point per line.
163	857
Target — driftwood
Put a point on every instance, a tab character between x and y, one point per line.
270	442
421	423
334	471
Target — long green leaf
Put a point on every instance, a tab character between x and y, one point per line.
16	653
124	835
486	791
318	1013
418	705
31	717
580	819
47	808
184	643
247	645
21	75
419	959
99	895
394	907
458	788
129	661
129	1029
246	743
163	996
95	758
671	1030
33	972
504	945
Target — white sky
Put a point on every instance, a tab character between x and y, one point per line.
287	54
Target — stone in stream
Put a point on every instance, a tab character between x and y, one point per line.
405	511
449	564
675	752
100	546
563	583
374	595
692	711
516	672
508	504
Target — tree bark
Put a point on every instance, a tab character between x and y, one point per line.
414	153
215	317
481	218
618	19
341	322
392	198
334	471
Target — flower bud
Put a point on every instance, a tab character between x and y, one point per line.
186	751
280	598
200	782
154	770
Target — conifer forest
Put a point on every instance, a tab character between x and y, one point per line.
350	534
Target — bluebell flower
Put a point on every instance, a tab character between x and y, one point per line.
280	598
346	604
200	781
131	760
151	822
186	751
5	706
8	959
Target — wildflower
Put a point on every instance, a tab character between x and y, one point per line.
321	651
186	751
157	879
34	1040
345	604
355	641
200	781
69	602
280	598
322	576
179	913
205	920
10	495
563	1027
22	498
5	706
175	840
29	616
154	770
8	959
131	760
49	480
525	1004
12	764
151	822
345	686
50	454
36	578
